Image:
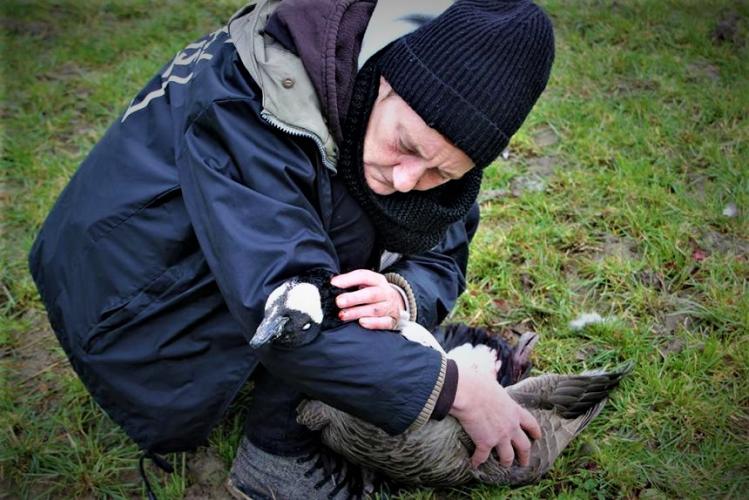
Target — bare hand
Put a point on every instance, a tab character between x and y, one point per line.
493	419
376	304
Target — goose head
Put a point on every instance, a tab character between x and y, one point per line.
297	310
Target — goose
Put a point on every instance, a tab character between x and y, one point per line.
438	453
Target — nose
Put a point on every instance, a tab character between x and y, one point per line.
407	175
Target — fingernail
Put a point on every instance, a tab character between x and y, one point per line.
341	316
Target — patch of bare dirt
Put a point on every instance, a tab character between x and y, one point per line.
585	353
617	247
728	30
207	474
653	279
716	242
586	293
36	29
673	322
696	184
673	346
633	86
680	313
486	196
702	70
535	178
34	352
33	355
545	136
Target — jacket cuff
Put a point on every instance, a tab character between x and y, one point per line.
401	282
428	409
447	395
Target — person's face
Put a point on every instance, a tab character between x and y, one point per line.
402	153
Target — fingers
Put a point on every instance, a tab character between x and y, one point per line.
369	295
378	310
522	446
480	455
506	453
380	323
359	277
529	423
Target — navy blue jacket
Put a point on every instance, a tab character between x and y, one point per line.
156	260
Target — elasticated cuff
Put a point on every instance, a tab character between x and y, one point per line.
401	282
447	395
428	409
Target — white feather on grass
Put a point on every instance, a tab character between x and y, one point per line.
586	319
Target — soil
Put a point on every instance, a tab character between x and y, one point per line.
36	352
536	176
618	247
702	70
207	474
714	241
727	30
545	136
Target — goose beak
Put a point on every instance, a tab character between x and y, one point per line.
268	330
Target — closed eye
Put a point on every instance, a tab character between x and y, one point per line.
403	148
444	175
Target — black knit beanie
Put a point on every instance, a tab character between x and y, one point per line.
474	72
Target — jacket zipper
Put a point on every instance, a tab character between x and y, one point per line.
298	132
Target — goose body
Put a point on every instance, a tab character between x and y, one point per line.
439	452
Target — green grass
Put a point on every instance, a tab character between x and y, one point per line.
649	131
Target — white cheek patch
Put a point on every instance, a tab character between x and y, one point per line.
305	297
275	294
481	358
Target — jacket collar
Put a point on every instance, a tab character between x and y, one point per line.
289	100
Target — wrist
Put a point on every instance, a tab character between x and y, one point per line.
403	302
462	393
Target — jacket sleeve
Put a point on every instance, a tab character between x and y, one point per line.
435	279
250	194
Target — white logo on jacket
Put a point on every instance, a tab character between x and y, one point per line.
189	56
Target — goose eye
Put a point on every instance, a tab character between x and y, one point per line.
306	326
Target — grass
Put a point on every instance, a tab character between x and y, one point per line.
611	201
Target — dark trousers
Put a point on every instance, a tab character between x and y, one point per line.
271	417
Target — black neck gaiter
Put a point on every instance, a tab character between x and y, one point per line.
407	223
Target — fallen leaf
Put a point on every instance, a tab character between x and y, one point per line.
502	305
699	254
